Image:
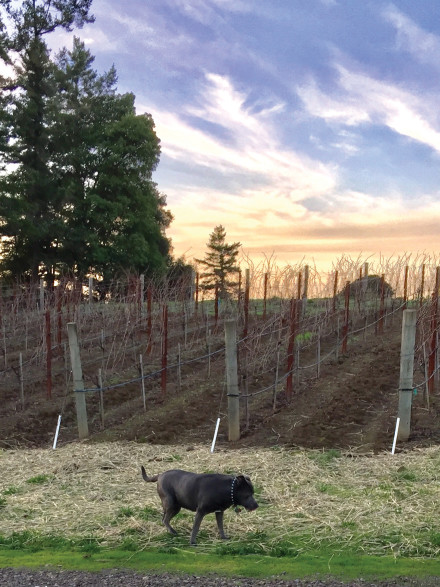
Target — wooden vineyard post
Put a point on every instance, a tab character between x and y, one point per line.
434	324
149	320
141	294
366	269
246	303
216	303
78	382
189	293
346	318
291	350
318	354
405	288
48	356
232	380
41	294
305	294
266	277
275	386
141	370
59	316
406	373
382	304
179	367
335	291
422	285
101	399
298	295
90	290
21	380
163	375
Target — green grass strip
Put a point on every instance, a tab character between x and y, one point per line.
191	561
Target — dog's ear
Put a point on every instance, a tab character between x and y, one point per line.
243	480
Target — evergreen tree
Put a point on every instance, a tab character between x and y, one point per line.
105	163
29	200
77	193
220	264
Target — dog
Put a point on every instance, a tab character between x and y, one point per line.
203	494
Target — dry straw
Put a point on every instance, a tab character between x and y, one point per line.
376	504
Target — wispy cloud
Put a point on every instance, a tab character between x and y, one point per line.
251	148
361	99
209	12
411	38
275	209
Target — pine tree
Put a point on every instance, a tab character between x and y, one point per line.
115	215
220	264
29	196
76	189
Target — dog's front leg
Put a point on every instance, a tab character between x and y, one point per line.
219	518
197	521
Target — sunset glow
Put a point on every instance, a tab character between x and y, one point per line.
309	130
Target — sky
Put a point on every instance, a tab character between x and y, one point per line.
309	129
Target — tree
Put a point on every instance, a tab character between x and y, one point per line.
76	194
106	161
220	263
29	199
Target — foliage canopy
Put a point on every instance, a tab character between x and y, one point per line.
76	189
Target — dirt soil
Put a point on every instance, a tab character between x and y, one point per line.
352	405
31	578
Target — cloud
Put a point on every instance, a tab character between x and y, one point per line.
285	202
320	103
352	222
92	35
360	99
247	144
210	12
422	45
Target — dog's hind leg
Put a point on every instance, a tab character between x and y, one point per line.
169	511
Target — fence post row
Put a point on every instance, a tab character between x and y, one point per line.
56	308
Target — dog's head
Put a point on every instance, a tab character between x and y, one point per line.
244	493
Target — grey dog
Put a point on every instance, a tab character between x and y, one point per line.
203	494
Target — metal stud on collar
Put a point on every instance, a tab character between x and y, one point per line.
232	490
237	510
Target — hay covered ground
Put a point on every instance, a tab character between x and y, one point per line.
309	499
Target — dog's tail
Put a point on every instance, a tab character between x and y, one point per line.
145	476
